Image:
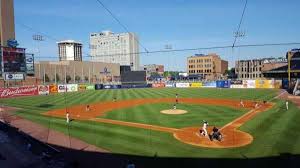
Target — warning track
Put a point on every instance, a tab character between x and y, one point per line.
232	137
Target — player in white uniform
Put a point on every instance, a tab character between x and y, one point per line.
242	103
68	117
205	124
287	105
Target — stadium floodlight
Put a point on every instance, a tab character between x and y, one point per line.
38	38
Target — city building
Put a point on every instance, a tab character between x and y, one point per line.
154	68
249	69
69	50
77	71
209	66
120	48
260	68
7	21
280	67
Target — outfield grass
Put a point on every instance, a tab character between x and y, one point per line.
275	131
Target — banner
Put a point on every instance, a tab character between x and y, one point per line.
43	90
97	87
62	88
182	85
170	85
196	85
223	84
237	86
18	91
248	83
236	82
53	89
81	87
278	84
210	84
29	64
72	87
264	84
90	87
158	85
14	76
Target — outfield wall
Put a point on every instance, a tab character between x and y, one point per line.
55	89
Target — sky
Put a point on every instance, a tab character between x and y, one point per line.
179	23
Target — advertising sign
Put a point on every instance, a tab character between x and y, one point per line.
158	85
212	84
170	85
278	84
98	86
237	86
223	84
53	89
43	90
18	91
196	85
13	76
182	85
90	87
13	59
62	88
264	84
81	87
29	64
236	82
248	83
72	87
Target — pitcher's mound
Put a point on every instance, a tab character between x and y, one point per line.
172	111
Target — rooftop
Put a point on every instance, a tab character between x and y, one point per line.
69	41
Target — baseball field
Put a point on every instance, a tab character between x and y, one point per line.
134	123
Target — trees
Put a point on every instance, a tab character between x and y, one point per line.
57	78
77	78
86	78
68	78
46	78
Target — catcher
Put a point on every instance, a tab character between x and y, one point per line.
215	135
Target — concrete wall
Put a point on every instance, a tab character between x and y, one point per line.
94	71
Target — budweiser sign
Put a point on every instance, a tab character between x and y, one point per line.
18	91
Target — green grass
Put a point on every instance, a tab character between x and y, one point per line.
150	114
275	131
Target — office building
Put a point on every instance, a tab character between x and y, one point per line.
120	48
69	50
209	66
249	69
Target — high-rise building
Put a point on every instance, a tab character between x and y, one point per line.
69	50
7	21
209	66
120	48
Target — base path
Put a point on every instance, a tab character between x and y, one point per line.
232	137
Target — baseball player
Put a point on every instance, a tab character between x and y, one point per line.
68	117
176	98
115	99
287	105
205	124
256	104
216	134
174	106
242	103
87	108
